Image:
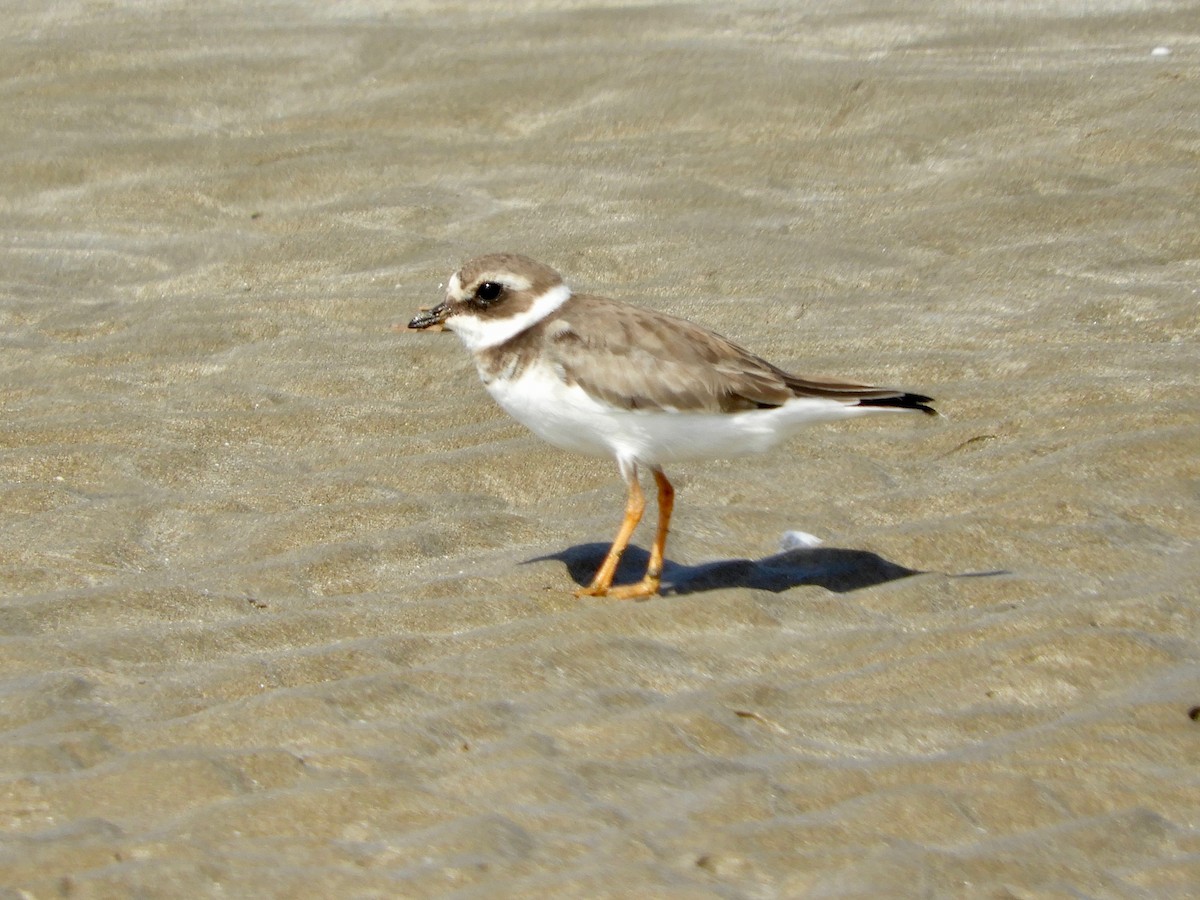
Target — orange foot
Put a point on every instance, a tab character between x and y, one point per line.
592	590
643	590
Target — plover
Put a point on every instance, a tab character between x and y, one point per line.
604	378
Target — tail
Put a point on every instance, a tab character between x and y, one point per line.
857	394
902	401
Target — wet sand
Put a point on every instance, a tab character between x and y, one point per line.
286	601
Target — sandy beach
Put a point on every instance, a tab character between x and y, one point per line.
285	599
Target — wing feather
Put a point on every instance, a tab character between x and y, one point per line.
646	360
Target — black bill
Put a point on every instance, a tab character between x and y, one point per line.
427	318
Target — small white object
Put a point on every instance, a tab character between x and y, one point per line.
799	540
1161	51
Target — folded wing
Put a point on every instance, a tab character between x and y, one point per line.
640	359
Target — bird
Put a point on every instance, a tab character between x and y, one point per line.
607	378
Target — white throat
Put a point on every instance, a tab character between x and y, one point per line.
480	334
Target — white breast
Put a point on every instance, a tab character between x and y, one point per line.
556	412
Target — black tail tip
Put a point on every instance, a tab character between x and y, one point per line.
903	401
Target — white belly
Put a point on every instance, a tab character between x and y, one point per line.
565	416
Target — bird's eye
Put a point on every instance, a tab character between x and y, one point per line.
489	292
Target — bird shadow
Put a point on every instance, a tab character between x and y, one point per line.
832	568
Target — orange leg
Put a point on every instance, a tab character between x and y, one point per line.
635	505
648	586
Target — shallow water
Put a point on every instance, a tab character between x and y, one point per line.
286	601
